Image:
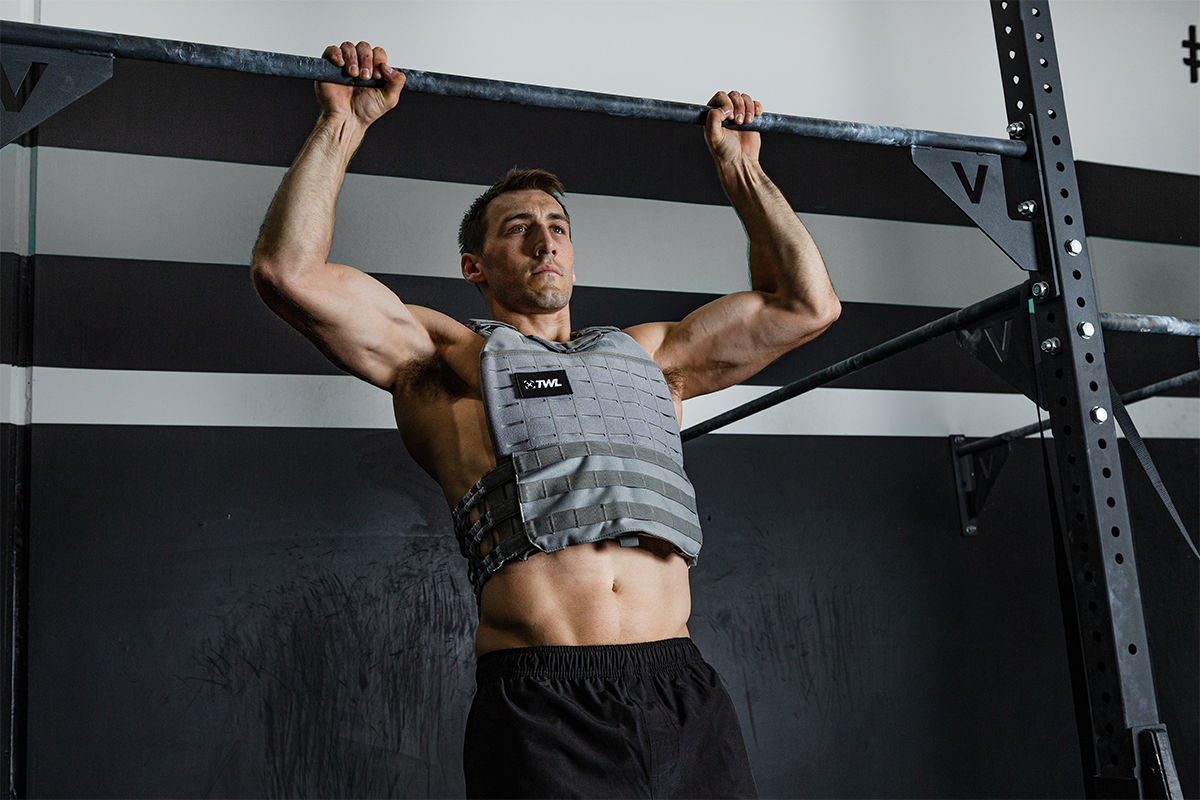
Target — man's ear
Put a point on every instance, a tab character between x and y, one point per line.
471	268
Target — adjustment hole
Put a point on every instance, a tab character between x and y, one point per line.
1050	113
1062	401
1096	635
1060	166
1101	667
1020	104
1107	472
1083	546
1112	502
1076	273
1108	726
1092	605
1120	559
1057	140
1039	37
1079	301
1066	430
1093	386
1058	373
1079	517
1047	88
1036	12
1103	444
1088	357
1070	459
1043	62
1116	531
1113	758
1012	53
1065	193
1016	78
1087	576
1067	219
1008	28
1050	318
1133	649
1075	488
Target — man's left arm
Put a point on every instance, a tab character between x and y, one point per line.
790	301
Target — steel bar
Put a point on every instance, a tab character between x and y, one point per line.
1148	323
907	341
1153	390
280	64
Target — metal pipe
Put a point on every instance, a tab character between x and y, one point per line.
907	341
1178	382
318	69
1148	323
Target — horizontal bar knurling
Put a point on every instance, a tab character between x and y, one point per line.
310	68
1150	323
907	341
1129	398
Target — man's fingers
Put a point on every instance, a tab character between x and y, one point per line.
365	61
379	58
334	54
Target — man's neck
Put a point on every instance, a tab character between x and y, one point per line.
552	326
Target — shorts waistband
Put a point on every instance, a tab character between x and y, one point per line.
590	661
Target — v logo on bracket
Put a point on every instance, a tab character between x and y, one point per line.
975	193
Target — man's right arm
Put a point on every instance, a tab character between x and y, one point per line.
354	319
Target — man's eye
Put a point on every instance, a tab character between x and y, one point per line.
559	229
517	229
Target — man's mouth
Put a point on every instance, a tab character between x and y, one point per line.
548	267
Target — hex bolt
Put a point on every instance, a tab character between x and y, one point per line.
1050	346
1027	209
1099	415
1086	330
1015	130
1040	289
971	530
1074	247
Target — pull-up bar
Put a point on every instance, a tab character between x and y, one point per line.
318	69
907	341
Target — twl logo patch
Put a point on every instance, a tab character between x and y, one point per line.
550	383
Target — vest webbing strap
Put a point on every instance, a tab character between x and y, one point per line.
536	459
592	515
550	487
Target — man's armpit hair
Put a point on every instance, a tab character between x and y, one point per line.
431	377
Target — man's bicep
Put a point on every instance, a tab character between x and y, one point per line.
356	321
720	344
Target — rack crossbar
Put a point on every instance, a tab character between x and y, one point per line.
1153	390
318	69
950	322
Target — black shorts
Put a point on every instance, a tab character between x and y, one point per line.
635	720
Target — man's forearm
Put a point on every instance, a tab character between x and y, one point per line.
298	229
783	257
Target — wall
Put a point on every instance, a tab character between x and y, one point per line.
240	584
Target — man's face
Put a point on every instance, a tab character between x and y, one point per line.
527	263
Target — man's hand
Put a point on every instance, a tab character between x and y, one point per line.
364	104
729	146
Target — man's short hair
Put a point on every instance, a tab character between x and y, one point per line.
473	230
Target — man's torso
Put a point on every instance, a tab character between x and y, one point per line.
596	593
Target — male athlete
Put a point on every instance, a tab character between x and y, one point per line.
558	454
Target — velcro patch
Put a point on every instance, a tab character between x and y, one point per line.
550	383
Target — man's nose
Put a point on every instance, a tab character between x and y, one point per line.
543	242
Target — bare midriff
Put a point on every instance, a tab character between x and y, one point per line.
588	594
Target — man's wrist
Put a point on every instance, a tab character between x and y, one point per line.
341	129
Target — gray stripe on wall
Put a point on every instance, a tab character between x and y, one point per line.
128	397
115	205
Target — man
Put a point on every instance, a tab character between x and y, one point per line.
588	684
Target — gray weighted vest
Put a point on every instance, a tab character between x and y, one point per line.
587	448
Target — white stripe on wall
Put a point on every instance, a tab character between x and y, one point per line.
116	205
15	395
122	397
